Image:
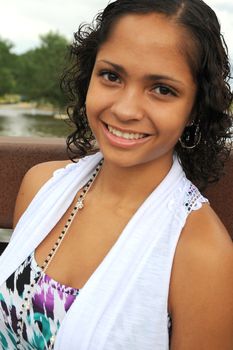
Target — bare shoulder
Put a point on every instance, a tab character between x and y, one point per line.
200	300
33	180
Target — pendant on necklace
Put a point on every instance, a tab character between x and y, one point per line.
80	204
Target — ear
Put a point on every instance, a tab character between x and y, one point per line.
193	119
190	122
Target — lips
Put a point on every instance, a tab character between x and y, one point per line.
123	138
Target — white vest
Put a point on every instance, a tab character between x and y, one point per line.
124	304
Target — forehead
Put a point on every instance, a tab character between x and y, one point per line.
149	39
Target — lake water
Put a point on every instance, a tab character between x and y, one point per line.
25	120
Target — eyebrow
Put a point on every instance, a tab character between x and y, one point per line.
149	77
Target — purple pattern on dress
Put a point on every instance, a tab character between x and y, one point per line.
44	295
49	302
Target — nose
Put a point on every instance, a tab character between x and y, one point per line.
128	105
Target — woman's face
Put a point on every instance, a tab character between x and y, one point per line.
141	92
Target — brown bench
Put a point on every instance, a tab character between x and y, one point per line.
220	196
18	154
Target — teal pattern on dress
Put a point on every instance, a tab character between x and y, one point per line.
49	303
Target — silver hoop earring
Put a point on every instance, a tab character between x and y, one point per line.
191	136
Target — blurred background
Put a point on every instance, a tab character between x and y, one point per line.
34	35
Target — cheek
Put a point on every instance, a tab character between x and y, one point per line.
91	103
173	118
95	99
170	124
90	96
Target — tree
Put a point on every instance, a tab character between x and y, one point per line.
41	68
36	73
7	62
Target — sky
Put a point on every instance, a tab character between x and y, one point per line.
23	21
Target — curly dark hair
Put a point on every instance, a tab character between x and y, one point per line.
209	63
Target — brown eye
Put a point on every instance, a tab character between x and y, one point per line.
164	90
110	76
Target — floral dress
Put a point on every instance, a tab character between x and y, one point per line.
48	305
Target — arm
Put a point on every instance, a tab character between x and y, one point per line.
33	180
201	290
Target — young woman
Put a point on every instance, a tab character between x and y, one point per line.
120	250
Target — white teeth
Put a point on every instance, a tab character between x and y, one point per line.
125	135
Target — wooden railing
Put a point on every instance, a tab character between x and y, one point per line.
18	154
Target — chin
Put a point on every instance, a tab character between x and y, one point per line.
126	160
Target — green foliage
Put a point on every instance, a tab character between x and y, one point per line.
7	63
35	74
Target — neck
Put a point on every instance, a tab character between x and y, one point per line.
130	184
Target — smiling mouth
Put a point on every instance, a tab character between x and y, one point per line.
125	135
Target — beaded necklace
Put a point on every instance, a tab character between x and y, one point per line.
26	301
